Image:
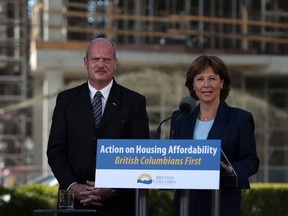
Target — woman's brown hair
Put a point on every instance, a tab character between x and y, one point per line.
199	65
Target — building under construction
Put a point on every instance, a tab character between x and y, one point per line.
43	43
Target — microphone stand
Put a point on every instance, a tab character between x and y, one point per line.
184	200
158	131
142	194
185	107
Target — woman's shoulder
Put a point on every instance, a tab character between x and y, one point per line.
239	111
241	116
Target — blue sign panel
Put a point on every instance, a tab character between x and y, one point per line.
170	164
158	154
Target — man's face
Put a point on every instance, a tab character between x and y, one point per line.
100	64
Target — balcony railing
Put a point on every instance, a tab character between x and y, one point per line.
265	35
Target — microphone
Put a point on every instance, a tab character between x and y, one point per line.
186	106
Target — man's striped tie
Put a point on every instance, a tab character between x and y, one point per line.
97	108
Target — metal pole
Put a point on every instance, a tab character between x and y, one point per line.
141	202
184	203
215	203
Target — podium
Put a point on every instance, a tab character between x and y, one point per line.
158	164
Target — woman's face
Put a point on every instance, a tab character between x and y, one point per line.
207	85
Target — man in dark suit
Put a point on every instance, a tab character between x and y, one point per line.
73	137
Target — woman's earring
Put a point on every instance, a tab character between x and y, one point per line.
221	87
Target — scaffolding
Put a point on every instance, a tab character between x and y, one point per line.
256	26
13	81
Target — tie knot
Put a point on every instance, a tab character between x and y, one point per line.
98	94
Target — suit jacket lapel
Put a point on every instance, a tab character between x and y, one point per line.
113	103
219	123
84	103
193	119
188	124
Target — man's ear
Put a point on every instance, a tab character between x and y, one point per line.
115	64
85	63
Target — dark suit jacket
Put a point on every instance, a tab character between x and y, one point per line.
73	138
235	128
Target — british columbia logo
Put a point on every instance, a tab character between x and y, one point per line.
144	179
159	180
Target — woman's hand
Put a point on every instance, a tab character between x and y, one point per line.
227	168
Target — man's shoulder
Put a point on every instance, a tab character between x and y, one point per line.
127	92
73	92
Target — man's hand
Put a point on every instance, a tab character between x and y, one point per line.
77	189
95	196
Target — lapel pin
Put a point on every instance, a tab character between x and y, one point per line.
114	103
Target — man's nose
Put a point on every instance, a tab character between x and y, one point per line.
101	62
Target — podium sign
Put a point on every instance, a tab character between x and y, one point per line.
159	164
